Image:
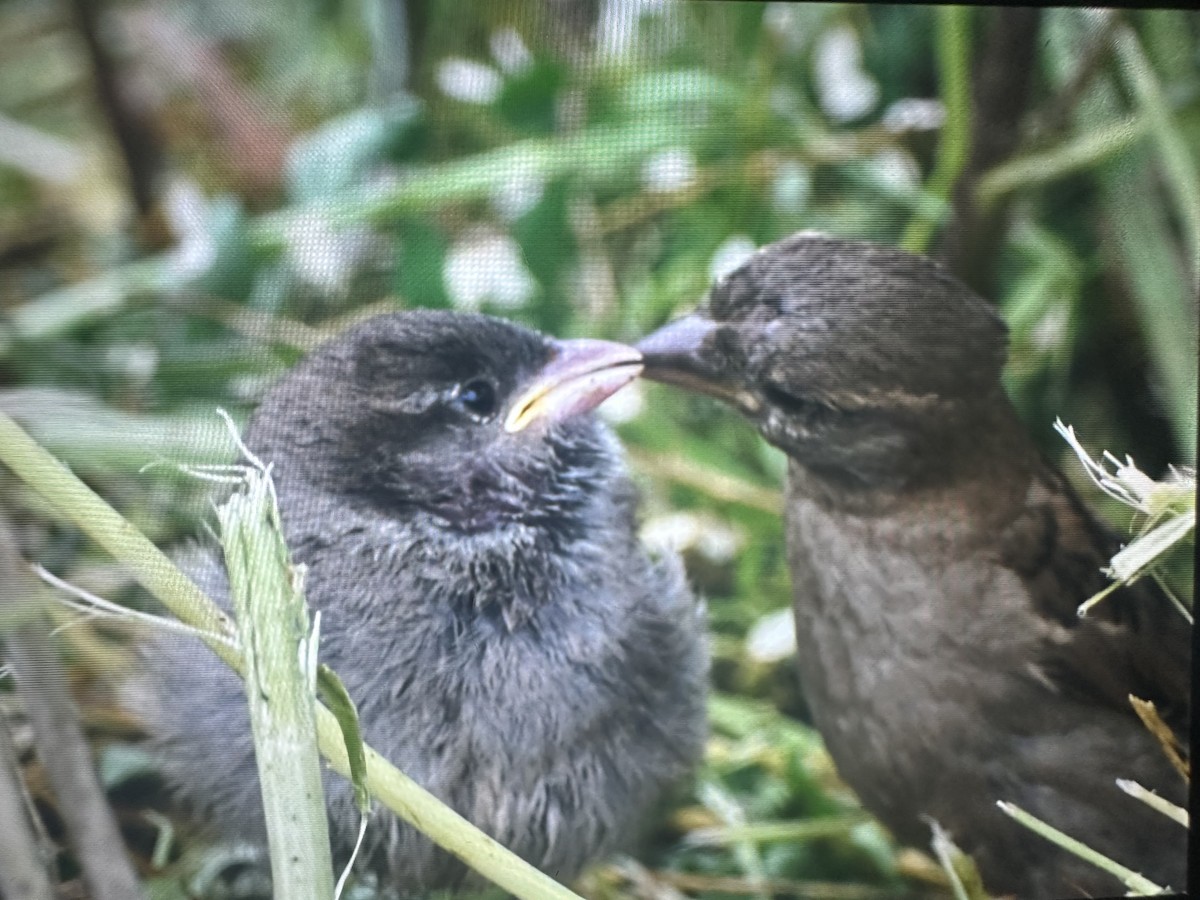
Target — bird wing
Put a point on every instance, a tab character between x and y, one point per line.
1133	642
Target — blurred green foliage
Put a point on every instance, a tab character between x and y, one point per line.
586	167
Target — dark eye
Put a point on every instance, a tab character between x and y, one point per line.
478	397
809	411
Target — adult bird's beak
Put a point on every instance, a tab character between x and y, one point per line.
580	375
677	354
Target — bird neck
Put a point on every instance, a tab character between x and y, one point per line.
503	574
971	464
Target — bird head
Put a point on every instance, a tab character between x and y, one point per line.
474	421
857	360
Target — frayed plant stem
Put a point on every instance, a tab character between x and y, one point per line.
279	648
1169	508
92	605
1173	597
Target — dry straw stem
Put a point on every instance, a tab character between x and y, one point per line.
965	881
1166	737
776	832
76	503
1169	508
1154	801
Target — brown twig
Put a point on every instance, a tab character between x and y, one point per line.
252	141
22	871
64	751
134	138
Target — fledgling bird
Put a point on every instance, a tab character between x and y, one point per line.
937	562
469	535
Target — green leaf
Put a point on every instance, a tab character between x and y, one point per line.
548	247
529	99
334	694
119	763
342	151
232	269
420	262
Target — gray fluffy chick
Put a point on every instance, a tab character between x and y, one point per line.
470	537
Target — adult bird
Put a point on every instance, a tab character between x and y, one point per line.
469	535
937	562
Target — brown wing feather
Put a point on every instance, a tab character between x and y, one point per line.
1133	642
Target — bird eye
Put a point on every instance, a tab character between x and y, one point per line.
808	410
478	397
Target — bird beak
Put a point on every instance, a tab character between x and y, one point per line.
676	354
580	376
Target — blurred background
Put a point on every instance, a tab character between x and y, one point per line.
195	192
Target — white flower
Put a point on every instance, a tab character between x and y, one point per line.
468	80
617	27
186	210
137	360
486	265
518	194
510	51
846	92
323	256
914	114
670	170
773	637
712	538
896	169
